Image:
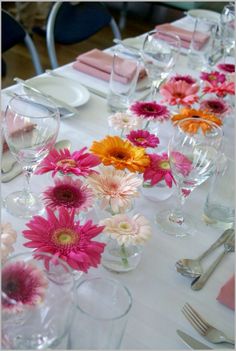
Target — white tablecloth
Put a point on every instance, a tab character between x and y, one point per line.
158	291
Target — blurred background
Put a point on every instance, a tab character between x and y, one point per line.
133	18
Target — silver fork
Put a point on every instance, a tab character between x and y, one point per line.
209	332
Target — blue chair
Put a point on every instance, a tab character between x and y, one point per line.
70	23
14	33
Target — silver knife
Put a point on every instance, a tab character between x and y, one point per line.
191	342
55	100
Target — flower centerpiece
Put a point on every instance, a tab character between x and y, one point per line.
65	238
125	235
115	189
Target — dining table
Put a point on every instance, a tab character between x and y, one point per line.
158	291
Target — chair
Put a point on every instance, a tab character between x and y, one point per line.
70	23
13	33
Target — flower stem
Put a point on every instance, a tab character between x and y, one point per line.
124	257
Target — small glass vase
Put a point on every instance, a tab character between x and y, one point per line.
121	258
157	192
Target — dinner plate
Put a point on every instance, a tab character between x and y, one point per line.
64	89
136	42
205	14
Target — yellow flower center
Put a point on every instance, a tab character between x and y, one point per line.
125	120
64	236
165	165
124	226
140	139
67	162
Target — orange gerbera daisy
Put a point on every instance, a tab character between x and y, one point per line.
120	154
199	116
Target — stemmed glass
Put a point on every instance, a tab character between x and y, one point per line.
30	125
193	152
38	297
160	52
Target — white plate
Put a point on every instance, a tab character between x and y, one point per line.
64	89
205	14
136	42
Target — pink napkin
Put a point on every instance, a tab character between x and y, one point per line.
226	295
99	64
184	34
15	127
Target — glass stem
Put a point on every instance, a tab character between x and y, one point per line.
124	256
27	173
176	215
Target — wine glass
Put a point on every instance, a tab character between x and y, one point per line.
36	293
193	153
160	52
30	125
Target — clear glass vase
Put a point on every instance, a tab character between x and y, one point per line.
121	258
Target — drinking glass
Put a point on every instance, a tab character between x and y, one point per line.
192	156
160	52
228	28
101	314
204	46
30	125
219	208
37	301
123	81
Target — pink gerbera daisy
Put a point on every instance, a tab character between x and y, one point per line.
68	193
220	90
158	170
143	138
186	78
213	77
226	67
115	188
78	163
66	239
150	111
23	285
179	93
216	106
181	163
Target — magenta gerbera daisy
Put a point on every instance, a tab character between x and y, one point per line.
226	67
186	78
213	77
78	163
159	169
143	138
66	239
23	285
150	110
217	106
70	194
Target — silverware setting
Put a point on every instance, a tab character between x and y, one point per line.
192	342
192	267
205	329
200	281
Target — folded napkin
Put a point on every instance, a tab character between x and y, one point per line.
16	127
184	34
226	295
99	64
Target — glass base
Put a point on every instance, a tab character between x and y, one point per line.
187	228
23	205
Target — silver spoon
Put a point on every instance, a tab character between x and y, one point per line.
199	282
192	267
